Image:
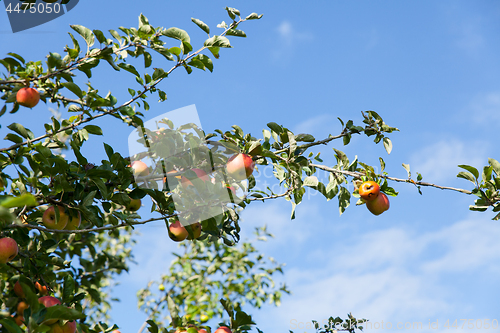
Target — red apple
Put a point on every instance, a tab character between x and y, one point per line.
21	306
202	330
379	205
28	97
8	249
18	319
240	166
74	222
223	329
69	327
369	190
185	182
140	168
18	290
49	218
196	227
49	301
177	232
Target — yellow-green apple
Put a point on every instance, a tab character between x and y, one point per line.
74	222
140	168
50	221
18	290
185	182
27	97
177	232
8	249
49	301
379	205
134	205
196	227
21	306
192	330
204	318
369	190
69	327
240	166
223	329
41	289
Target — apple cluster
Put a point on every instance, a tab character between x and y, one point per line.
376	201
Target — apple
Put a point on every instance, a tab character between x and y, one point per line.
116	331
49	218
69	327
202	330
204	318
134	205
49	301
369	190
18	290
192	330
41	289
8	249
223	329
240	166
379	205
140	168
196	227
177	232
21	306
185	182
28	97
74	222
18	319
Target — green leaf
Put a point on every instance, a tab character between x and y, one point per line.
407	168
93	129
275	127
305	137
235	32
86	33
387	145
153	328
344	199
470	169
129	68
147	59
100	36
177	33
466	175
201	24
21	130
74	88
217	41
253	16
14	138
20	201
158	74
62	312
382	164
495	165
311	181
10	325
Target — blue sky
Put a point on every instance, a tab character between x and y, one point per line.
429	68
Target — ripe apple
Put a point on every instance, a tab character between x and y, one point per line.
18	319
134	205
369	190
21	306
74	222
8	249
202	330
27	97
185	182
49	218
177	232
140	168
379	205
18	290
196	227
41	289
223	329
69	327
240	166
49	301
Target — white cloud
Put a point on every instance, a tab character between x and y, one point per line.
391	275
484	109
288	39
438	162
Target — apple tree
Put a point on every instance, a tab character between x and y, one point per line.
73	222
